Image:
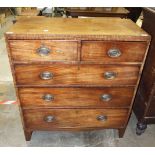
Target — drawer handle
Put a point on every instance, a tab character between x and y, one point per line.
110	75
106	97
101	118
49	118
46	75
48	97
114	53
43	51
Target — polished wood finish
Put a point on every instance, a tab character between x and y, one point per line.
79	97
74	75
144	105
26	50
97	12
98	51
76	29
77	118
77	77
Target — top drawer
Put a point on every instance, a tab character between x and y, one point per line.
111	52
43	50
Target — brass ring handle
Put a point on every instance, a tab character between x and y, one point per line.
46	75
110	75
43	51
49	118
101	118
48	97
106	97
114	53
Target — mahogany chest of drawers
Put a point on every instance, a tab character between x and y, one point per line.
76	74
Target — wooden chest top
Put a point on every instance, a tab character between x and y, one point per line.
81	28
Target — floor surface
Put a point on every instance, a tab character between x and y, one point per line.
11	134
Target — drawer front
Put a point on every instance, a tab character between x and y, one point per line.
75	118
111	52
76	97
100	75
43	50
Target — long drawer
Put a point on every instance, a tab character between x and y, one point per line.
100	75
74	118
112	52
43	50
76	97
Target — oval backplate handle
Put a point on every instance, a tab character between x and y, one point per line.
114	53
110	75
46	75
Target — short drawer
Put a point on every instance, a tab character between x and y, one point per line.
74	118
112	52
43	50
76	97
100	75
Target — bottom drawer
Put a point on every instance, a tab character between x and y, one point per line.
48	119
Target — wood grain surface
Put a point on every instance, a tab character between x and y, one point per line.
82	28
98	51
76	97
26	50
74	118
78	63
74	75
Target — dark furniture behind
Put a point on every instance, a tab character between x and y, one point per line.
144	105
97	12
134	13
